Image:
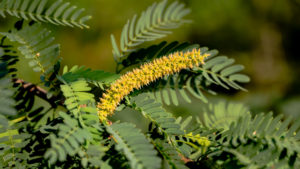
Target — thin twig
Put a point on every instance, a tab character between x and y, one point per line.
38	91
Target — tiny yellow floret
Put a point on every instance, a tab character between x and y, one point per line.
144	75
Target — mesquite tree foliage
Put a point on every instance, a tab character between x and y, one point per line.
77	131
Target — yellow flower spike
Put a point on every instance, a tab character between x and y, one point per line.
203	141
144	75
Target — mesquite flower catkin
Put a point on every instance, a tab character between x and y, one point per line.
144	75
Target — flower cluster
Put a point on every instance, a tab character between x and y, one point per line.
202	141
144	75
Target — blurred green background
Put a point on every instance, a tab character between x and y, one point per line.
263	35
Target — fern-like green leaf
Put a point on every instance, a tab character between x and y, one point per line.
254	156
151	109
220	70
89	75
220	115
69	140
135	146
78	98
195	142
266	127
154	23
11	144
262	127
258	156
8	59
94	155
81	103
264	131
170	155
36	45
173	88
7	103
11	141
57	13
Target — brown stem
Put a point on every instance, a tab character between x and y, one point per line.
38	91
